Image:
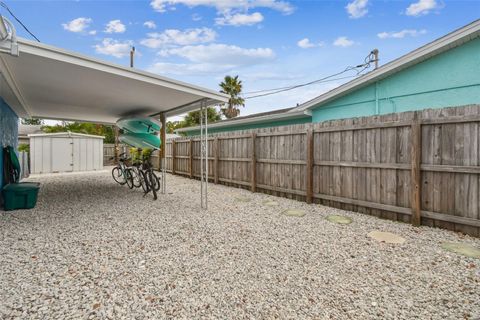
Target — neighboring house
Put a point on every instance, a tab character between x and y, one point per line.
443	73
282	117
24	130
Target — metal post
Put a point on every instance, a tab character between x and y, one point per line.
162	154
206	154
203	155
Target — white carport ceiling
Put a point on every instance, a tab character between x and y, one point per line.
48	82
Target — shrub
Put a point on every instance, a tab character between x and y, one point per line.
23	147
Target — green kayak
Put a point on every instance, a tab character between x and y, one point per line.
140	140
139	124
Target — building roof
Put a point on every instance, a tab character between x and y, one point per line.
65	135
275	115
447	42
26	129
49	82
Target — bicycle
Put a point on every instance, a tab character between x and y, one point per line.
122	174
147	177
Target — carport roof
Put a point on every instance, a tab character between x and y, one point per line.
49	82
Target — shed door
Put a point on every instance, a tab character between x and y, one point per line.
62	154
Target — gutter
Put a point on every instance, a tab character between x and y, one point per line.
252	120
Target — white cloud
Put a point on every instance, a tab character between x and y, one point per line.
92	32
225	5
221	54
305	44
77	25
357	8
184	69
115	26
240	19
343	42
422	7
178	37
401	34
111	47
196	17
212	59
150	24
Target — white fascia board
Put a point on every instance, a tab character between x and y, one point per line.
50	52
265	118
445	43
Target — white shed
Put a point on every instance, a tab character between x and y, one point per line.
65	152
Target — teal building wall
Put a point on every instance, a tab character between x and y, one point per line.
8	132
451	78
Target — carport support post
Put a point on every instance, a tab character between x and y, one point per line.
116	149
163	145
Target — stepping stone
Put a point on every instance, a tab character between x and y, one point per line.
242	199
462	248
270	203
294	213
339	219
386	237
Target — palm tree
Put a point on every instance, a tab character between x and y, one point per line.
233	87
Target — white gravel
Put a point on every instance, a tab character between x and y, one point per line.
92	249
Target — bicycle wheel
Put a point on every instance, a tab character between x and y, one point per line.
129	178
144	181
118	176
136	176
156	181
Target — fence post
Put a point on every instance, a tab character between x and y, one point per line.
215	161
416	150
190	159
254	164
309	166
174	153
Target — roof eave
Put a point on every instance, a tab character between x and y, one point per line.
266	118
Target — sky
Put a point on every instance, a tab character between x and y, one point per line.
267	43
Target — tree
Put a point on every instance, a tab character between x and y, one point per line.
32	122
233	87
193	117
173	125
83	127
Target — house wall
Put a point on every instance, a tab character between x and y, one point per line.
8	131
306	119
451	78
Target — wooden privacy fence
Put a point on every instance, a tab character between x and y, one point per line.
418	167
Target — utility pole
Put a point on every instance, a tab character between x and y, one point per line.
132	54
375	54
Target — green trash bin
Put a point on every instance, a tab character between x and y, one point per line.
20	195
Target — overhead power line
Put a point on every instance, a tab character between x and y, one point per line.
358	69
4	5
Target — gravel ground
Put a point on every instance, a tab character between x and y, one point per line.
93	249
